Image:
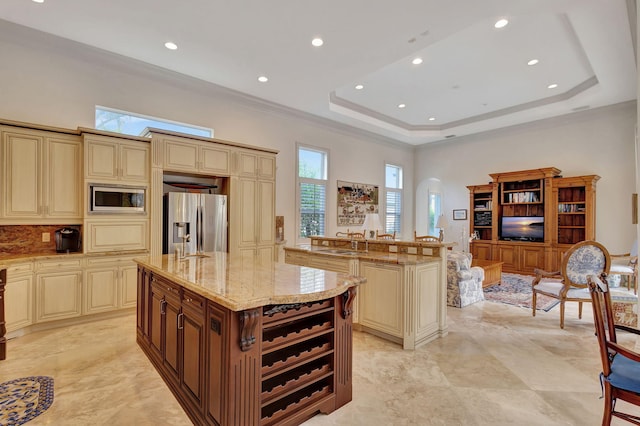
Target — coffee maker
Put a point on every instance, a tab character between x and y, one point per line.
67	240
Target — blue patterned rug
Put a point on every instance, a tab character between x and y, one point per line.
23	399
516	290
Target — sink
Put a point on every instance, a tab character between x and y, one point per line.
340	251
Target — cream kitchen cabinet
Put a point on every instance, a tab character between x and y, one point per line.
251	163
196	157
402	303
109	159
19	296
41	177
58	289
108	235
110	283
252	228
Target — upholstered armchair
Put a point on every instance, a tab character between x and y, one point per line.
464	282
627	265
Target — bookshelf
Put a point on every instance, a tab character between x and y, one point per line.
565	207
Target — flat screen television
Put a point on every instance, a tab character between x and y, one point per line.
523	228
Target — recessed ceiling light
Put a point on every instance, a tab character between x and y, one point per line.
432	118
263	79
533	62
171	45
501	23
552	86
38	1
401	105
317	42
359	87
416	61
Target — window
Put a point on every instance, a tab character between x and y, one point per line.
435	209
393	184
113	120
312	191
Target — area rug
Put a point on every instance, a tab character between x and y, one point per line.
23	399
516	290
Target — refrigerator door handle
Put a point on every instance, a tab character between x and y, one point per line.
199	231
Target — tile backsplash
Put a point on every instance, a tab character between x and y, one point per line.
27	239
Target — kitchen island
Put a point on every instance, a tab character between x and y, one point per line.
244	342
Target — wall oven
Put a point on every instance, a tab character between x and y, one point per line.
116	199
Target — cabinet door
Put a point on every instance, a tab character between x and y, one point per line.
380	300
265	212
531	258
427	301
267	167
171	335
180	156
58	295
101	160
19	301
247	211
22	175
64	184
509	255
247	164
481	251
128	286
192	325
134	162
101	290
156	322
101	236
214	159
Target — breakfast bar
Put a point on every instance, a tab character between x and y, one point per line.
240	341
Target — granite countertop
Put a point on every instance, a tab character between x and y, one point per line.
238	283
372	256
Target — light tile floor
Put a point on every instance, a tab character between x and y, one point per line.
497	366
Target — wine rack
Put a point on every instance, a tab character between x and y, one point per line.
297	358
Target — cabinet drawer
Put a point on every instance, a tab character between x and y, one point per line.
336	265
165	287
108	261
193	301
20	268
45	265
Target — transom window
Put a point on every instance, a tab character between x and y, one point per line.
129	123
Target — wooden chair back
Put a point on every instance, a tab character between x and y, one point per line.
427	238
617	386
385	236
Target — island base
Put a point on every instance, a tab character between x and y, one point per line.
276	364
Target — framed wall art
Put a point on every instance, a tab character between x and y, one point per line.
460	214
355	200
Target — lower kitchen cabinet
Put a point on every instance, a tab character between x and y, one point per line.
58	295
110	283
19	296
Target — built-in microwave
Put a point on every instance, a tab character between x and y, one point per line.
104	198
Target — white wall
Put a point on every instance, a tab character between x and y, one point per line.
47	80
597	142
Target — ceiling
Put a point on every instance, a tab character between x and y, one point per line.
473	77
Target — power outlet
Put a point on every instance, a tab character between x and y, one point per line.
46	237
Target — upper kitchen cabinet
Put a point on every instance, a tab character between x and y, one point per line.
42	176
261	165
195	157
110	158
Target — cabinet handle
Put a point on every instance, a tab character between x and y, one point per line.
188	300
180	321
162	305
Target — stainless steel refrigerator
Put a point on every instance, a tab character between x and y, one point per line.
198	220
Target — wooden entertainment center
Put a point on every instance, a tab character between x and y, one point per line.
527	219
